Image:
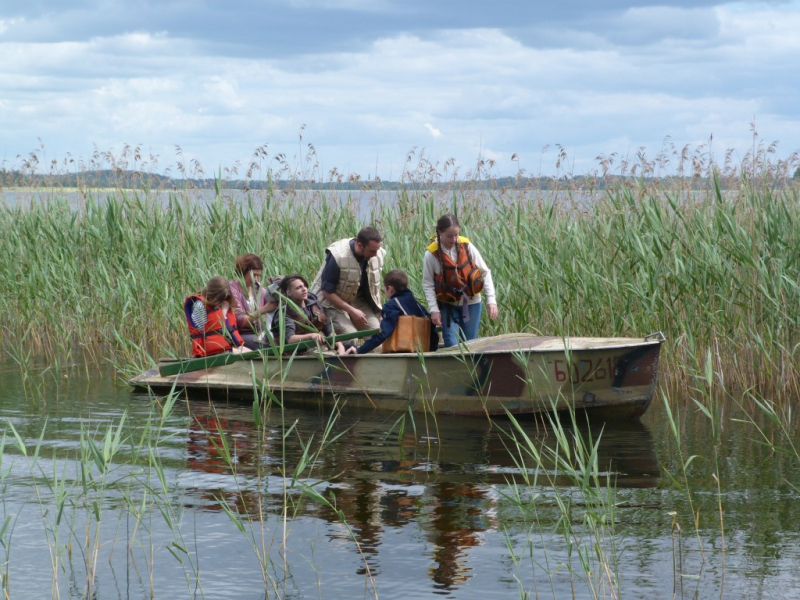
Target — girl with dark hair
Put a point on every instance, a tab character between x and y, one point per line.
310	322
453	276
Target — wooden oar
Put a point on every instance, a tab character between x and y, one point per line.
186	365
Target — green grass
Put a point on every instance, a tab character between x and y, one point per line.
717	271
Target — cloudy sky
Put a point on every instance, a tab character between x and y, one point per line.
366	82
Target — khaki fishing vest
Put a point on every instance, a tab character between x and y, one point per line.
350	274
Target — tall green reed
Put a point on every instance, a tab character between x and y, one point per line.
264	523
714	268
87	495
584	513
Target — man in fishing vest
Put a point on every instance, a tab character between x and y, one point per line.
349	282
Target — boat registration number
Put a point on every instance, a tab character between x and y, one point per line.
585	370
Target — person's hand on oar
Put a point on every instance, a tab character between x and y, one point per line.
342	350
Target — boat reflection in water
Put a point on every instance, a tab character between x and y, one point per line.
449	482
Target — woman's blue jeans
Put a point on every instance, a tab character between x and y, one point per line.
453	326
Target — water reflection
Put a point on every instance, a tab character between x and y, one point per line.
426	514
442	480
459	516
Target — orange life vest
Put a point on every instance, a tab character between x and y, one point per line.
215	337
455	279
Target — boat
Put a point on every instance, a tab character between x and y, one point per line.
514	373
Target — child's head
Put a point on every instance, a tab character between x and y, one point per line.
395	281
217	291
447	230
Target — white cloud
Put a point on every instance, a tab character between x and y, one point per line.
433	131
7	24
647	25
662	71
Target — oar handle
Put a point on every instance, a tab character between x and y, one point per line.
187	365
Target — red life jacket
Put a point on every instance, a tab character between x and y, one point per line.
455	279
215	337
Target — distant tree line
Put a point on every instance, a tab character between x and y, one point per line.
122	179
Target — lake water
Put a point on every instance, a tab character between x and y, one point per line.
429	514
362	203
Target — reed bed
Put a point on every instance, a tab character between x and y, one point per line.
97	276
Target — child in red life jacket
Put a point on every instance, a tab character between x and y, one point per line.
212	323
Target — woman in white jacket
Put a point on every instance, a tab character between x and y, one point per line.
453	276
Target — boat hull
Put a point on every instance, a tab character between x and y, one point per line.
512	373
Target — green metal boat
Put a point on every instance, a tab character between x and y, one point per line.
513	373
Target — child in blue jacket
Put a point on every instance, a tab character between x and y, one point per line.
396	284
